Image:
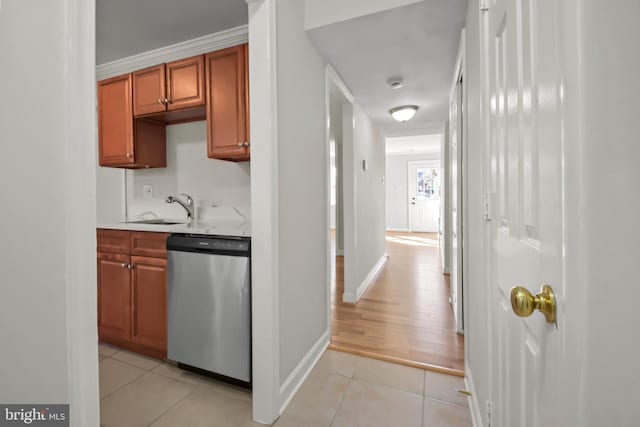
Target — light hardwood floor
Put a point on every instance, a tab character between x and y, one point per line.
405	316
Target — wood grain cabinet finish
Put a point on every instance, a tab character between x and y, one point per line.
149	244
115	121
124	141
114	297
185	83
227	104
149	302
132	290
134	109
114	241
169	87
149	91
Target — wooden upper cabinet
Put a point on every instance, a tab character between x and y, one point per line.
149	91
169	87
227	104
115	121
124	141
185	83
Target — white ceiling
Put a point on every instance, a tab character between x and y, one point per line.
129	27
418	42
419	144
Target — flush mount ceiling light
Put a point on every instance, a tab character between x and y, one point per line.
403	113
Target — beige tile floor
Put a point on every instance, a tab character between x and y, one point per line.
343	390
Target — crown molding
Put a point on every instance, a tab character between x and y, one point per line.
197	46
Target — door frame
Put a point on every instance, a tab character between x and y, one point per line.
460	71
435	164
348	186
79	127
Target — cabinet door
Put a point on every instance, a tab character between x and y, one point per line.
185	83
114	297
149	94
227	103
115	121
149	302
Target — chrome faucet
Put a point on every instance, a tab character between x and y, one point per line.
188	206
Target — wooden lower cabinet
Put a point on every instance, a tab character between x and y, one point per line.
149	302
132	292
114	297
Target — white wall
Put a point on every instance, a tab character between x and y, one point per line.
326	12
302	186
364	199
48	327
110	194
603	221
397	203
189	170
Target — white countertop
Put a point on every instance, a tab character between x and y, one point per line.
208	227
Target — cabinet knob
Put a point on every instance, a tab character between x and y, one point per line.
166	101
128	154
240	144
130	266
123	265
160	101
246	144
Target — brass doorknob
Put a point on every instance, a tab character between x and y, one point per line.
524	304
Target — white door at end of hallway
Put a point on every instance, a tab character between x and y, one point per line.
526	224
424	195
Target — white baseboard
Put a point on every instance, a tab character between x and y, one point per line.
293	382
340	252
474	406
350	297
406	230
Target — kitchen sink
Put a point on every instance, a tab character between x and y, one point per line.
155	222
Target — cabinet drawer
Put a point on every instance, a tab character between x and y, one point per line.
149	244
114	241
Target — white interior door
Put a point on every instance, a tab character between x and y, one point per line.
526	208
455	156
424	195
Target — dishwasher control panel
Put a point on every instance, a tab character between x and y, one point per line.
240	246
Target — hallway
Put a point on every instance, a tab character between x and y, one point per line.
405	315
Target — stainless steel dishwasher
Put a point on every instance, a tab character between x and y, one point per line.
209	305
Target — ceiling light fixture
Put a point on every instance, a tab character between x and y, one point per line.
403	113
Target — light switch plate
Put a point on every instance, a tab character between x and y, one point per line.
147	192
